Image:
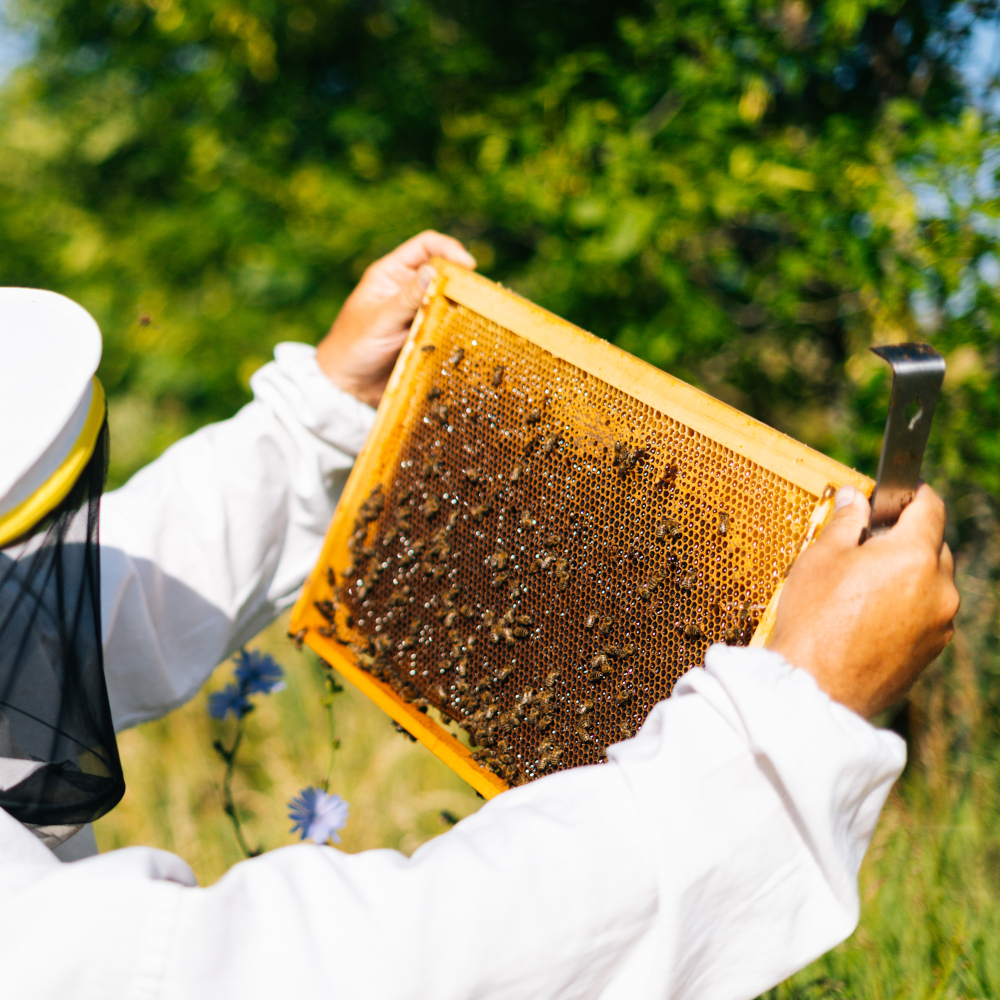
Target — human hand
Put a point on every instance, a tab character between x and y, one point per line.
865	620
359	351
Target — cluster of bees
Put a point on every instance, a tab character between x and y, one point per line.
461	598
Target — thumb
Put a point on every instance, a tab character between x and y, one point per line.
850	518
410	297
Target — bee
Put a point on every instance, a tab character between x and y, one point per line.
430	506
456	356
516	472
298	637
390	536
439	411
693	632
619	452
465	611
372	507
499	559
433	392
626	651
521	633
591	620
432	467
669	528
562	581
480	511
497	376
624	695
399	597
503	672
730	636
437	572
453	519
526	521
489	617
534	416
723	522
669	477
450	619
599	666
553	540
427	348
545	560
535	567
744	612
499	579
473	475
645	593
407	642
584	707
561	565
605	626
525	621
688	580
612	651
515	590
530	445
549	444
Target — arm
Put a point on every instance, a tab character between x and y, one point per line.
208	544
712	856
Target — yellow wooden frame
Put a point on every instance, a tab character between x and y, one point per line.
793	461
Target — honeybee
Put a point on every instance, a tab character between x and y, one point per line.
551	678
688	580
503	672
473	475
591	620
723	522
624	695
439	411
456	356
645	593
605	626
480	511
562	581
626	651
526	520
432	467
584	707
499	559
530	445
516	472
427	348
497	376
599	665
499	579
730	636
553	540
549	444
612	651
400	596
669	528
450	619
430	506
561	565
298	637
465	611
521	633
372	507
525	621
489	617
545	560
534	416
693	632
407	642
515	590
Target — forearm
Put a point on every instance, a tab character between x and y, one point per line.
208	544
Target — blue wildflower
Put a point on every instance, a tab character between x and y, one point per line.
257	672
230	699
318	815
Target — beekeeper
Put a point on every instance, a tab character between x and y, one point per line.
713	855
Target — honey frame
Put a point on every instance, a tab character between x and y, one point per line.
778	453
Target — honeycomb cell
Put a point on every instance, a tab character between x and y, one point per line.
544	556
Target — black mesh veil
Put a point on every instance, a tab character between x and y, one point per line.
59	763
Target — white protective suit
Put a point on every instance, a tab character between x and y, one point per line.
712	856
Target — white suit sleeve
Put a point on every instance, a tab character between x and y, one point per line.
713	855
205	546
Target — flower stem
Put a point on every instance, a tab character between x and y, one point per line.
228	803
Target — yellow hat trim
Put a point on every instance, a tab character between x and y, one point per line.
54	490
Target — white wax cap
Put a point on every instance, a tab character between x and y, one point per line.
49	351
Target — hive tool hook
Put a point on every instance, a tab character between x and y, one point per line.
917	374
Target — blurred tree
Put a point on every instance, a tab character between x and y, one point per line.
723	187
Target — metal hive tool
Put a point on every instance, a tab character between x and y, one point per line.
544	533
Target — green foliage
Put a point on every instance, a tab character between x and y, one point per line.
723	188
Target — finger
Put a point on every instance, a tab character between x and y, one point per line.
420	248
946	560
922	519
398	312
851	513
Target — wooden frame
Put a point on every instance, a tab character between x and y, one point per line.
800	465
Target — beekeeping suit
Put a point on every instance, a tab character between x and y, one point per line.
713	855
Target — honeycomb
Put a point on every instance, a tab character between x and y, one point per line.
539	556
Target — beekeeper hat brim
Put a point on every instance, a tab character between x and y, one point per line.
51	404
